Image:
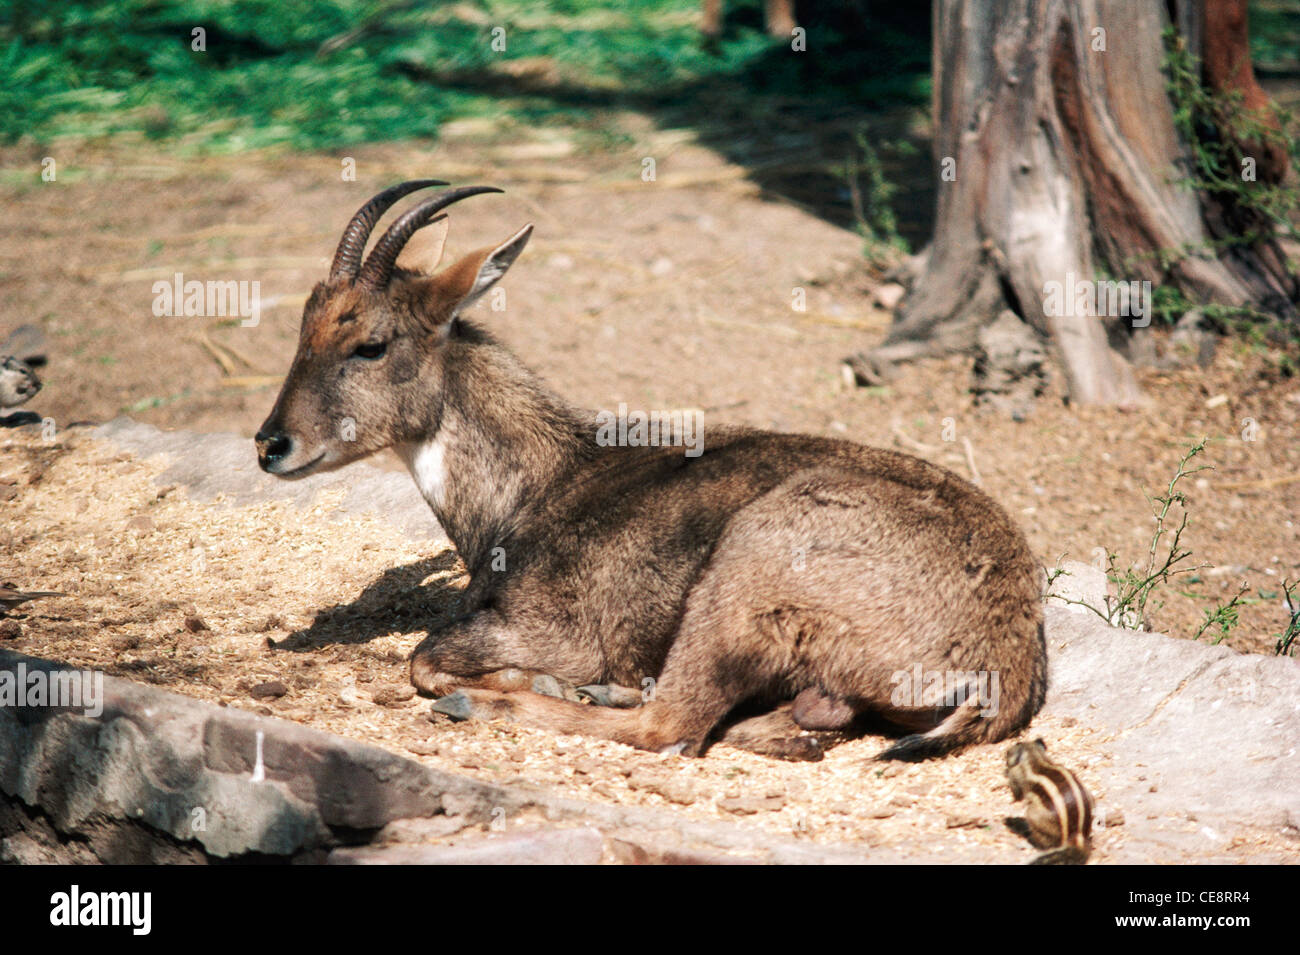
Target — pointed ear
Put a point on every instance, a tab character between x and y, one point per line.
424	250
461	285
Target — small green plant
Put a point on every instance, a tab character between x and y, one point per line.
1224	617
1287	639
1133	589
1131	605
871	199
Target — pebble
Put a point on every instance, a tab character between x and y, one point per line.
749	805
389	694
348	696
271	690
888	296
672	788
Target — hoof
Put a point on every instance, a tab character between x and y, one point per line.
795	749
457	705
800	749
547	685
611	694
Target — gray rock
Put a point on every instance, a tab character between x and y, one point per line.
888	296
1217	732
1010	368
212	464
1081	583
230	781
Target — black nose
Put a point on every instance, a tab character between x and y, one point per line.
272	447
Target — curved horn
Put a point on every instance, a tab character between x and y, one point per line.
347	258
379	264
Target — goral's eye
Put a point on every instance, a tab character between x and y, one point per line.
371	350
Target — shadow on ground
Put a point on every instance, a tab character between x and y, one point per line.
398	600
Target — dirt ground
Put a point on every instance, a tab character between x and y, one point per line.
675	293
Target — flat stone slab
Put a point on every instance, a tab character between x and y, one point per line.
1217	733
1205	744
580	846
211	464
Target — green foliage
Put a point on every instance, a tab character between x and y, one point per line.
871	198
325	74
1131	606
1214	125
1169	303
1275	35
1222	617
1134	588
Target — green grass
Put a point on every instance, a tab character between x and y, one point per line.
314	75
1275	36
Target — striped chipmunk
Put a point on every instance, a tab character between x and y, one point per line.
1058	810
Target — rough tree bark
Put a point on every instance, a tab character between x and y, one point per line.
1066	162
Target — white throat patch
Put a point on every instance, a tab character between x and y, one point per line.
426	460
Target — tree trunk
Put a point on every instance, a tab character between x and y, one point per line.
1062	160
